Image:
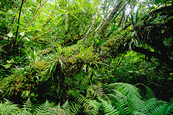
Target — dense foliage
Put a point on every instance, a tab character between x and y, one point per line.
86	57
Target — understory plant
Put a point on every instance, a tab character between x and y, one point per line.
112	99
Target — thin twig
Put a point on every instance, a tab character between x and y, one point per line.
109	15
120	10
35	14
46	32
93	20
36	10
18	21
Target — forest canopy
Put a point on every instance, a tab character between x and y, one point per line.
86	57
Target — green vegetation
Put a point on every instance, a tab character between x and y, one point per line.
86	57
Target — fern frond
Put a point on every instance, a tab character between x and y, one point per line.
120	101
155	107
45	109
75	109
95	91
125	94
117	95
66	107
60	111
169	109
27	108
99	90
135	103
91	92
8	108
23	112
108	108
147	92
126	99
80	98
125	89
159	110
138	113
93	107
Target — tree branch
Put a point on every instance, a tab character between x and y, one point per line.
161	57
93	21
35	14
109	15
19	21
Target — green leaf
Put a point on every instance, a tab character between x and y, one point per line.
27	39
22	33
157	1
7	66
10	34
10	61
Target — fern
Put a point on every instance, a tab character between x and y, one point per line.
126	89
120	102
108	108
67	107
79	97
8	108
27	108
118	99
58	110
75	109
169	109
94	107
44	109
147	92
155	107
128	100
95	91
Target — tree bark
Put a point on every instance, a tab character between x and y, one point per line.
161	57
